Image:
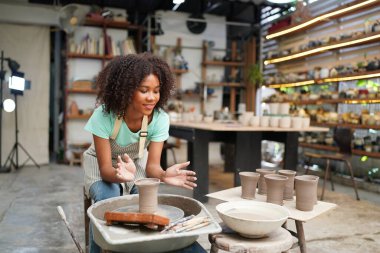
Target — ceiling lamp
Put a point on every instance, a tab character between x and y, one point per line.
281	1
178	1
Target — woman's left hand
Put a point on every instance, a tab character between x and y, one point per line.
178	176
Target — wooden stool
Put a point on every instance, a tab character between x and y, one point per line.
278	241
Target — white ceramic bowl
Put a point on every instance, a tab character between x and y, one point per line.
252	219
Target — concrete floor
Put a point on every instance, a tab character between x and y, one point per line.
29	221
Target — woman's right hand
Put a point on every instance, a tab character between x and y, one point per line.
125	170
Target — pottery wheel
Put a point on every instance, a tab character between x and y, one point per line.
171	212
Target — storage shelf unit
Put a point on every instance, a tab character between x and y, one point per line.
335	149
325	17
360	44
85	66
357	76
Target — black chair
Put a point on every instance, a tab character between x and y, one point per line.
343	139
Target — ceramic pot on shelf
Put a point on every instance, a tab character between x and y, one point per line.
275	188
262	187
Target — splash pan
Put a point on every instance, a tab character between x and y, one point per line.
135	239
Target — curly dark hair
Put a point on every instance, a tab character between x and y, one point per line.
118	81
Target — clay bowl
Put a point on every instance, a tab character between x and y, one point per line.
252	219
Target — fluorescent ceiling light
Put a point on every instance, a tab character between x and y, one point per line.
178	1
280	1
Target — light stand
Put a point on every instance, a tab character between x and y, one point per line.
16	145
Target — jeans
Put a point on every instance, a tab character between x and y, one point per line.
102	190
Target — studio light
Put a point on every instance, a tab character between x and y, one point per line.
9	105
178	1
16	83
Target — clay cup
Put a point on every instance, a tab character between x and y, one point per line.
148	194
275	188
248	181
289	186
261	184
305	193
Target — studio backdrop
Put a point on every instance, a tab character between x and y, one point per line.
30	47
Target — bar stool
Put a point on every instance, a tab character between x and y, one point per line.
343	139
278	241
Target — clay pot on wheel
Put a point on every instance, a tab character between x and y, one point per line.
148	194
275	188
289	186
305	192
261	184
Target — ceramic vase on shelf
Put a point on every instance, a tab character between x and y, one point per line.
275	188
248	181
261	184
289	186
148	194
305	192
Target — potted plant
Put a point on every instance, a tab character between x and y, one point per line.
255	76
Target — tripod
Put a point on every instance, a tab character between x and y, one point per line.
14	151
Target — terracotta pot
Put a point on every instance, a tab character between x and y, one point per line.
248	184
275	188
305	193
148	191
312	177
261	184
289	186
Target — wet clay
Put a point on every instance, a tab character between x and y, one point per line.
148	191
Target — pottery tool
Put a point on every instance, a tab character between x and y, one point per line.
171	225
63	216
151	220
193	225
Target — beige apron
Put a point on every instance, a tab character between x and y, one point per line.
91	167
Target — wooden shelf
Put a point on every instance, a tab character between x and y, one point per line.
179	71
353	126
335	149
359	40
357	76
79	116
336	101
223	84
90	56
326	17
222	63
111	24
85	91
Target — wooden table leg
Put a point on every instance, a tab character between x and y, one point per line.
301	236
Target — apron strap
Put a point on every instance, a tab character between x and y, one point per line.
143	135
116	128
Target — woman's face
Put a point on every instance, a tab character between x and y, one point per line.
146	95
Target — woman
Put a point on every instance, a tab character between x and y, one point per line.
132	92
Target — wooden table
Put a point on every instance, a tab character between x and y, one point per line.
247	141
298	216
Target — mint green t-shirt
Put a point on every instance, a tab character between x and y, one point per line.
101	124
